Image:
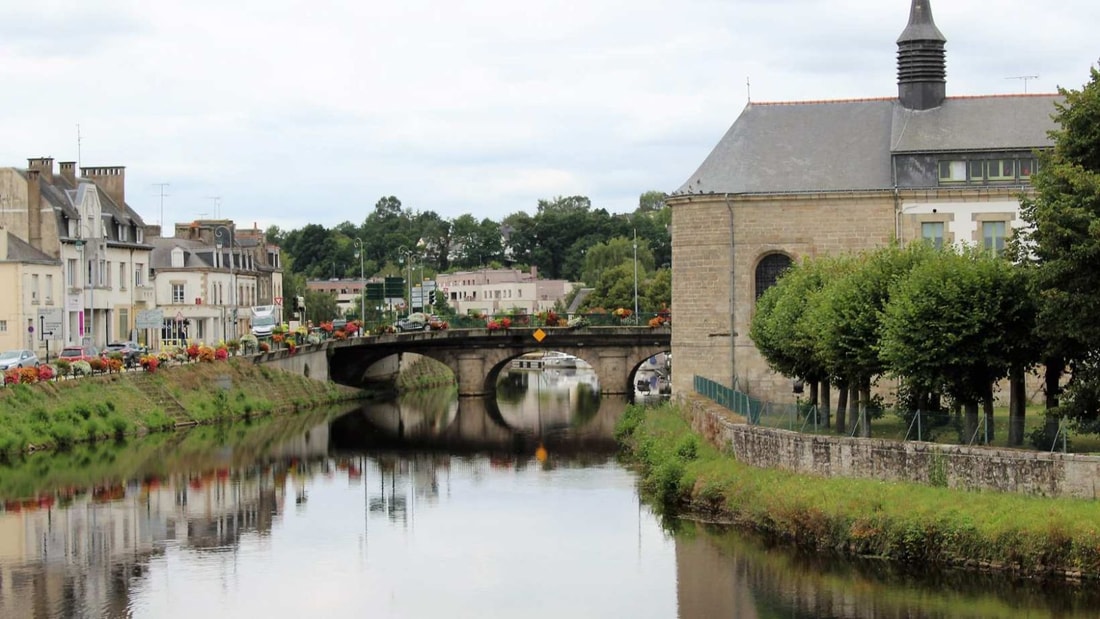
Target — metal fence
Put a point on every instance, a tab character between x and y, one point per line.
807	418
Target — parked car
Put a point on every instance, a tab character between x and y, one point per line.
417	321
73	354
130	350
18	359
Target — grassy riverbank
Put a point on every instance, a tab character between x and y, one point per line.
907	523
59	414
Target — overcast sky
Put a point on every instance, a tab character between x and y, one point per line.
292	112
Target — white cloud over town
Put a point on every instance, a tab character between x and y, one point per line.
292	112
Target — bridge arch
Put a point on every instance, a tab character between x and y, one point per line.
477	356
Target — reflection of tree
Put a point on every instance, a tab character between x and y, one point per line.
588	404
512	387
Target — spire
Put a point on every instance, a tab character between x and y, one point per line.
922	73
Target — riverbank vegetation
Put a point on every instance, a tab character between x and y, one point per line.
685	475
59	414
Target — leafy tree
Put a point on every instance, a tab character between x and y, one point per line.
651	201
320	306
953	326
1063	244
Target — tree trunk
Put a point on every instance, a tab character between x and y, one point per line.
853	406
813	401
841	406
1052	385
825	395
865	407
971	425
1017	406
987	404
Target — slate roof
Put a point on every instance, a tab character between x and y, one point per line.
847	145
22	251
196	254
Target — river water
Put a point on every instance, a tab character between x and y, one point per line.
426	507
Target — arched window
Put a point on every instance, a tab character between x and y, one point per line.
769	270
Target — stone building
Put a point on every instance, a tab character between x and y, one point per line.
208	276
491	291
802	179
99	277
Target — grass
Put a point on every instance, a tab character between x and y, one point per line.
903	522
64	413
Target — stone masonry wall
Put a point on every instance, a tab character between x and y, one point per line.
797	226
960	467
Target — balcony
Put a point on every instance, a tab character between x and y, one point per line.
145	295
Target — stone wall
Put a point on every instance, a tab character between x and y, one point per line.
959	467
798	226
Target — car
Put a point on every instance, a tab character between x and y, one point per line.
417	321
130	350
73	354
12	359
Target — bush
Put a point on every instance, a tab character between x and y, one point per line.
45	372
64	368
82	368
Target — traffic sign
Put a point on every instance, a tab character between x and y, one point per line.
149	319
50	319
278	300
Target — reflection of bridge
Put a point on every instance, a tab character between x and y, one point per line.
471	425
477	356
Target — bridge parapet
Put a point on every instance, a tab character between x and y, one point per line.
477	356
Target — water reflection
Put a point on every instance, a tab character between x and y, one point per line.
329	515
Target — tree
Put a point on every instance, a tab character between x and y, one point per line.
651	201
954	326
1063	245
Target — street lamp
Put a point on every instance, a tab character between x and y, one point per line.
407	259
362	282
635	275
221	234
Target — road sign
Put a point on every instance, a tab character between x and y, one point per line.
50	319
278	300
149	319
179	316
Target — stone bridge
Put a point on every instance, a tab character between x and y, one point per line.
478	356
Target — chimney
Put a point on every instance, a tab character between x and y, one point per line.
68	171
111	179
44	165
34	208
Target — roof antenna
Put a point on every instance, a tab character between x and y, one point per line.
748	89
1025	78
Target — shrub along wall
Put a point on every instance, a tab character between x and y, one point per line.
952	466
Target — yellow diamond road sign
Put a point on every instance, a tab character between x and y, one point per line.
539	335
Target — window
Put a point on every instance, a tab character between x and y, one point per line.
1001	170
1027	168
3	326
101	276
932	231
977	170
139	274
124	322
49	289
70	272
769	270
993	236
122	275
952	171
34	289
177	293
108	269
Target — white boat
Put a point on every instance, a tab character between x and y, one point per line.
555	359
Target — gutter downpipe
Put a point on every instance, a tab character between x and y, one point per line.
897	202
733	298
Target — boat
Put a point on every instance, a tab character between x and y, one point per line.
555	359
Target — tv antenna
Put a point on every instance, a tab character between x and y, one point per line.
163	195
217	205
1025	78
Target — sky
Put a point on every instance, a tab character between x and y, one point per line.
285	112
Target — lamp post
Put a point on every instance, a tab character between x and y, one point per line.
221	234
635	275
407	259
362	282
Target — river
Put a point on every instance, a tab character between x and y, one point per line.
430	506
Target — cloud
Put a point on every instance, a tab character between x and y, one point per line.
296	112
